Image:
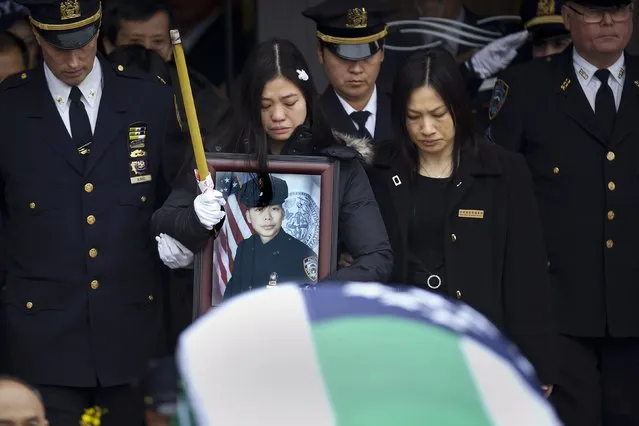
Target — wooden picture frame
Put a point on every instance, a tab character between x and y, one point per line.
317	208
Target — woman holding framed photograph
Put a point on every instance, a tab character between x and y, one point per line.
279	115
460	211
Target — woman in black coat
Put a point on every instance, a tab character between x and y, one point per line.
460	212
279	114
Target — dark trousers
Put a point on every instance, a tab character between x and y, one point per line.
598	382
65	406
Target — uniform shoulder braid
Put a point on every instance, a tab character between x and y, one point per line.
15	80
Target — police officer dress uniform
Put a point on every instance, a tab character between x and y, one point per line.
354	30
581	140
283	258
79	181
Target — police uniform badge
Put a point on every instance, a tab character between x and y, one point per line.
272	280
310	268
499	98
139	168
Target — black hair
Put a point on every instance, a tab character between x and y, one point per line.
271	59
13	379
10	41
130	10
142	58
435	68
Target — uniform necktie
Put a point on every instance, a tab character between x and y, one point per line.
605	109
81	133
360	118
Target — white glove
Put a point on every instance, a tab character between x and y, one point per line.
208	205
498	54
172	253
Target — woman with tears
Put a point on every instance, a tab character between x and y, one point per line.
460	211
279	115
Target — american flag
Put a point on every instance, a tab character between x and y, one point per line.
235	227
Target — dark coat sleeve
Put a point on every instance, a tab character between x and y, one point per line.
178	219
362	230
236	282
527	298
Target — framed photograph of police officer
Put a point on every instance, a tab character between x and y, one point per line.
280	226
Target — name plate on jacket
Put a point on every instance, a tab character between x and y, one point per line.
471	214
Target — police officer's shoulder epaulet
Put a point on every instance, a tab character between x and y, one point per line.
135	73
15	80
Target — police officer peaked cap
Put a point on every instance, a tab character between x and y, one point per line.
603	3
351	29
543	18
66	24
263	190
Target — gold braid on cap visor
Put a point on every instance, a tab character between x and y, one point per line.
71	26
357	40
544	20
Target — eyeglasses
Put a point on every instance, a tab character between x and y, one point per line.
595	16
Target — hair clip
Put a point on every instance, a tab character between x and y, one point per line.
301	74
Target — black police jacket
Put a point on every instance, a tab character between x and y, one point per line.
82	300
587	188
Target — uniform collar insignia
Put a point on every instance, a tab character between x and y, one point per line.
583	74
622	72
565	84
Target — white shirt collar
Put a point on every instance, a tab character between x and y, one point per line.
371	106
586	71
90	86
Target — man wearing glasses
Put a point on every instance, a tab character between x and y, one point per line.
575	116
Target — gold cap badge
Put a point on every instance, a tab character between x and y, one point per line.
69	9
356	18
545	7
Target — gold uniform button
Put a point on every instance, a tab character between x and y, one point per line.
611	215
93	253
555	170
611	186
88	187
23	75
120	68
458	294
95	284
453	237
32	205
143	199
610	244
611	156
91	219
150	298
29	305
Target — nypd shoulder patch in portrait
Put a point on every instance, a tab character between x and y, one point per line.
499	98
310	268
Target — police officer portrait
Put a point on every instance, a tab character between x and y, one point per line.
272	228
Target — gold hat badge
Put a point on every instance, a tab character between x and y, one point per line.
357	18
545	7
69	9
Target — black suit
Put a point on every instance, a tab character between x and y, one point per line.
587	187
495	263
83	303
340	121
